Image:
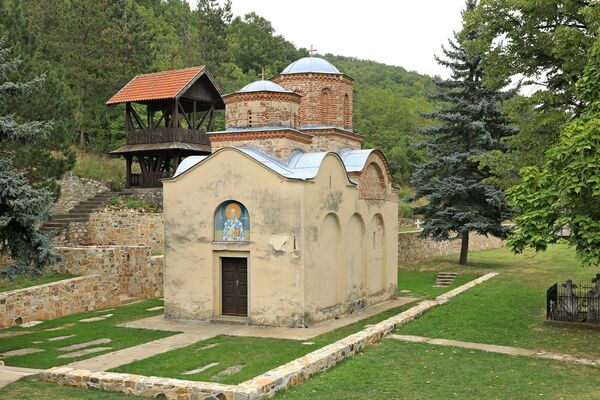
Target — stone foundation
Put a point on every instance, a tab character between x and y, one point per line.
57	299
413	248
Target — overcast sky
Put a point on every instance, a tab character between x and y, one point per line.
397	32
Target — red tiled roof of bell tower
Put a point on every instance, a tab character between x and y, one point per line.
155	86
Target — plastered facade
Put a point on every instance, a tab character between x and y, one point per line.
294	277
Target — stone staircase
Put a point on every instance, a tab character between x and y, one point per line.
445	279
80	213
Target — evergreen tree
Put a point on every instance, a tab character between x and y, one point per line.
22	206
470	123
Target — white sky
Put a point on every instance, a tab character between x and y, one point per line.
397	32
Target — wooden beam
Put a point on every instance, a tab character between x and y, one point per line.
184	114
137	119
128	170
128	124
202	120
194	115
211	121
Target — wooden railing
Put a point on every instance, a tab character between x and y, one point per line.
166	135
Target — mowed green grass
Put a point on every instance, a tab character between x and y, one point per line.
27	281
83	332
32	390
259	355
413	371
509	309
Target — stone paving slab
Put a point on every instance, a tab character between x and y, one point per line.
84	352
57	338
9	375
201	369
21	352
492	348
78	346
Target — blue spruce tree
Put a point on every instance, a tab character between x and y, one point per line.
470	123
22	205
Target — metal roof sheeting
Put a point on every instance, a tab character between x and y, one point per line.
311	64
301	166
263	86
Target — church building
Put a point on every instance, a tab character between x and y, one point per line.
288	221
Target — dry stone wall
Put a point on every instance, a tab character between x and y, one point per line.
413	248
57	299
137	275
126	227
74	189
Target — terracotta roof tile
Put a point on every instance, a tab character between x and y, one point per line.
158	85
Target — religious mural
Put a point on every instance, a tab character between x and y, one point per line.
232	222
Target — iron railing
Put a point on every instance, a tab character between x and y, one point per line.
574	302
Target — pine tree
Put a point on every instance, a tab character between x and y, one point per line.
469	124
22	206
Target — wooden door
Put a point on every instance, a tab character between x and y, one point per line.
234	286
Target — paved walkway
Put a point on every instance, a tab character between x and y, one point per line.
193	332
492	348
9	375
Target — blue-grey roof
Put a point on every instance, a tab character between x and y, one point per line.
311	64
259	86
300	165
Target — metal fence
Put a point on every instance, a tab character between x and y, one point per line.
574	302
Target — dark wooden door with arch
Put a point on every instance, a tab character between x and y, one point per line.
234	286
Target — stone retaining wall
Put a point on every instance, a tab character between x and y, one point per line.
261	387
57	299
126	227
136	274
74	189
413	248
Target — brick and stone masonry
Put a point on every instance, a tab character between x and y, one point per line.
260	109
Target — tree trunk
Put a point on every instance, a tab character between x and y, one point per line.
464	248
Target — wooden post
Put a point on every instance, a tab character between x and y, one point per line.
176	114
211	120
128	170
128	124
194	116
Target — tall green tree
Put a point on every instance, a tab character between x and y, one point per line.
43	161
470	123
545	43
565	191
22	205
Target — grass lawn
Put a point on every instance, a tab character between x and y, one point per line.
259	355
84	332
397	370
510	308
28	390
27	281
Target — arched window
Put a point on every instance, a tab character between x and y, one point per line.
325	109
347	115
232	222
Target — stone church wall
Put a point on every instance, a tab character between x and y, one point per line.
259	109
276	143
326	98
413	248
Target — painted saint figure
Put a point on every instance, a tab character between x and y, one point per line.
233	229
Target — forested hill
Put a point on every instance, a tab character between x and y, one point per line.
89	49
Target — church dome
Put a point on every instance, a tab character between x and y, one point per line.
259	86
311	64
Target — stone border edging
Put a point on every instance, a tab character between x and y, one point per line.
263	386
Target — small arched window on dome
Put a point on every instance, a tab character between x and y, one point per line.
249	118
325	109
347	121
